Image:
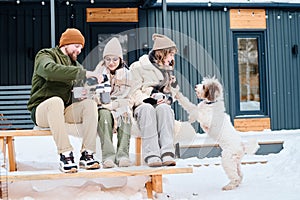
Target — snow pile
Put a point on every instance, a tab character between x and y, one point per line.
286	163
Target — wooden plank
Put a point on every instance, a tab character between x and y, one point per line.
271	142
253	120
100	173
252	124
219	163
24	133
248	19
112	15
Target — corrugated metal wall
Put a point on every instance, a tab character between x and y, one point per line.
202	40
210	30
284	68
23	31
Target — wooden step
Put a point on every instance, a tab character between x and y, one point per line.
154	184
99	173
219	163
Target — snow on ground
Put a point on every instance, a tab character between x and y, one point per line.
277	179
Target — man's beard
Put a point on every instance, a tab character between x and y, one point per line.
71	54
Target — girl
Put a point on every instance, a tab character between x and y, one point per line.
115	116
152	80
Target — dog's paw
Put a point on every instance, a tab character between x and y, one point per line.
193	116
232	185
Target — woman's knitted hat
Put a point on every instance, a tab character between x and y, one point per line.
162	42
71	36
113	48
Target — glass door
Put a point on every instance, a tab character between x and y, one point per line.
250	79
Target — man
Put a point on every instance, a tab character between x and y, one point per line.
56	71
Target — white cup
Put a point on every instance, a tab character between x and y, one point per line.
78	92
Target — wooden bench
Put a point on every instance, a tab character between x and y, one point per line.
15	121
154	184
7	143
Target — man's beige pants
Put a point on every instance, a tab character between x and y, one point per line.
52	113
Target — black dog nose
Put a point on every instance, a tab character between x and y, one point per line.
195	86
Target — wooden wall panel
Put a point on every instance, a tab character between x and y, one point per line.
112	15
248	19
252	124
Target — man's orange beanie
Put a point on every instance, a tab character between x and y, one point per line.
71	36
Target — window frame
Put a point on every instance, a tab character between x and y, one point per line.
260	35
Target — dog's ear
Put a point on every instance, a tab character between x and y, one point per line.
213	91
206	92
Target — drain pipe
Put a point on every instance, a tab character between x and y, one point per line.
164	15
52	19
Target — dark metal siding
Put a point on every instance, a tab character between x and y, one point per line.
283	66
210	29
202	39
204	42
25	29
23	32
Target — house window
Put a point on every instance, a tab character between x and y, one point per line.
250	73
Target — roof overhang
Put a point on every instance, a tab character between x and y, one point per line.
131	3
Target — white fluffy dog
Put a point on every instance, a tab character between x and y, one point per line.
210	113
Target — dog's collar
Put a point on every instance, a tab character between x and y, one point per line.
210	102
207	102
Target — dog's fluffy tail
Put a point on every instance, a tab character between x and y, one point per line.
251	146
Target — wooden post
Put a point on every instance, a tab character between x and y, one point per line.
2	145
149	190
3	181
1	193
11	154
157	183
138	149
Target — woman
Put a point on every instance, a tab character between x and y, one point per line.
152	81
115	116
